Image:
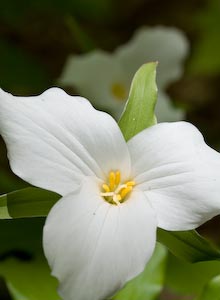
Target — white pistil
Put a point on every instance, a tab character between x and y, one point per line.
107	194
120	187
115	199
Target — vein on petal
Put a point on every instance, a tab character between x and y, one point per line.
79	163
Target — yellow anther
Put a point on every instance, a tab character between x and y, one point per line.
125	191
106	188
130	183
119	197
114	191
117	178
112	181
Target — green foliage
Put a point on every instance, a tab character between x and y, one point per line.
205	58
16	295
211	290
183	278
20	72
149	283
28	202
22	262
9	183
96	10
84	42
139	110
188	245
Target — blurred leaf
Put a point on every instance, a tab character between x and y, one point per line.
4	292
188	245
189	279
28	202
139	110
205	57
16	295
211	290
20	73
149	283
97	10
22	262
84	41
23	234
31	280
9	182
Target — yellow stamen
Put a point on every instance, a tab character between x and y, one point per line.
125	191
117	178
111	181
114	192
106	188
130	183
118	197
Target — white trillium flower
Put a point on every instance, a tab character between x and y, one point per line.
103	230
105	78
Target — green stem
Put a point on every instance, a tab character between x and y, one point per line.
83	41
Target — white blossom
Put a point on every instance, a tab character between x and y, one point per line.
105	77
114	194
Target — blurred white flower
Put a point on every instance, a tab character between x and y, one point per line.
102	232
105	78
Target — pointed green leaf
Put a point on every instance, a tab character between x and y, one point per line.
188	245
139	110
149	283
28	202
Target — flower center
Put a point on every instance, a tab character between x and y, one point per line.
113	191
119	91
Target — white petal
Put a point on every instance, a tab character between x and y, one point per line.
54	140
94	247
93	75
179	173
168	46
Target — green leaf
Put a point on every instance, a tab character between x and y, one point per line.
205	58
184	278
188	245
28	279
28	202
9	182
139	111
22	262
211	290
15	293
149	283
